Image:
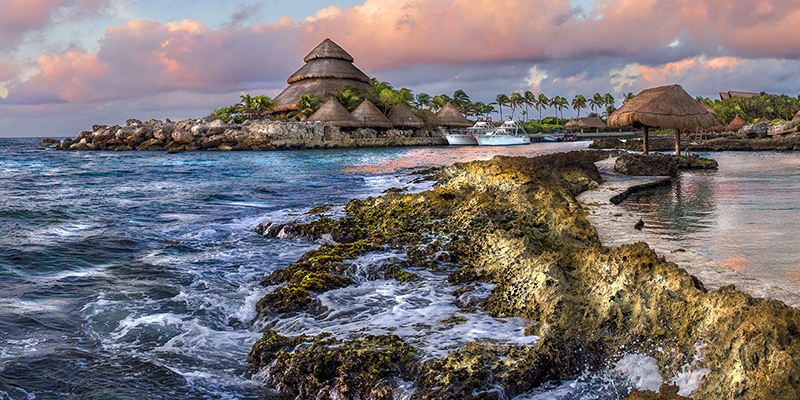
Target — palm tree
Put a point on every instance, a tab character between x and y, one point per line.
543	103
461	101
423	100
530	100
559	104
256	107
596	101
609	100
307	105
439	101
501	101
577	103
515	101
488	108
628	97
347	98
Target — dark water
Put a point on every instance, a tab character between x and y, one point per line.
134	275
745	215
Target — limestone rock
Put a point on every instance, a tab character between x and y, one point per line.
782	128
216	127
182	137
646	165
755	131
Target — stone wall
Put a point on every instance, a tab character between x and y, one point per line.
216	135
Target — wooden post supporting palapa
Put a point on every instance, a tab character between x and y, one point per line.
678	142
645	147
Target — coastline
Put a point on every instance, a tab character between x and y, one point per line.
615	227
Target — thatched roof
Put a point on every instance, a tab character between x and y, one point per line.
334	113
369	116
586	122
288	99
707	107
668	107
736	124
450	117
328	68
402	117
328	49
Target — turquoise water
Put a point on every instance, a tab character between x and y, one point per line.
135	275
745	215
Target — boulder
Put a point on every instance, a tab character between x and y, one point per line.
149	144
133	122
646	165
182	137
755	131
50	142
216	127
781	128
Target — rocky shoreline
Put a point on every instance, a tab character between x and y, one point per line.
215	135
516	223
725	143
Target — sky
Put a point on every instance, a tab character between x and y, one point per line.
66	65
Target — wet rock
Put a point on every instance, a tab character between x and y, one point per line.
607	144
50	142
666	392
646	165
693	161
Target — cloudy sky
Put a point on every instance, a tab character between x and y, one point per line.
68	64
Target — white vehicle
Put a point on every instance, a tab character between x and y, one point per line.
510	133
468	137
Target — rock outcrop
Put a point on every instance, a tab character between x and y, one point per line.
216	135
646	165
514	222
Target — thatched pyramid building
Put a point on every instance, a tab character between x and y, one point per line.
403	118
370	116
450	117
334	113
328	69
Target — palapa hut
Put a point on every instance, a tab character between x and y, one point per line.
667	107
736	124
370	116
449	117
585	123
402	117
334	113
328	69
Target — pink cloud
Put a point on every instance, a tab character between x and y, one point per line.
146	57
18	17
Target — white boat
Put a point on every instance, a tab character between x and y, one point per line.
510	133
468	138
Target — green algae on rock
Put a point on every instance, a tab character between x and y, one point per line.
323	367
514	222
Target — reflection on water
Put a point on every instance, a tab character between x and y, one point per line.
744	215
440	156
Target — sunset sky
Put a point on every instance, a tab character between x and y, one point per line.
68	64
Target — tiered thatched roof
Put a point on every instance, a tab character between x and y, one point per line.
402	117
370	116
334	113
668	107
736	124
448	116
328	69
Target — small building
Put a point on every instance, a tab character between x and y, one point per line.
335	114
370	116
403	118
328	69
734	94
584	123
449	117
736	124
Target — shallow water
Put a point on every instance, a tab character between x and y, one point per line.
744	215
135	275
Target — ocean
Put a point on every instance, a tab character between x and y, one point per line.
135	275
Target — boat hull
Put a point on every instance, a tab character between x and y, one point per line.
502	140
461	140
